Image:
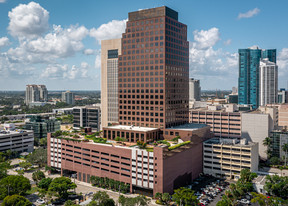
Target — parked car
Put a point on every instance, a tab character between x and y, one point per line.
40	201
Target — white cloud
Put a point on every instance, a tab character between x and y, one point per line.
60	43
205	39
249	13
28	20
4	41
227	42
111	30
282	62
97	64
88	51
2	1
58	71
214	67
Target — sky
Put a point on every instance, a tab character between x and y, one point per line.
58	42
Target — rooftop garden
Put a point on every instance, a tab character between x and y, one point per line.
178	145
77	136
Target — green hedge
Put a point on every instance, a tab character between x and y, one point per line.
164	142
178	145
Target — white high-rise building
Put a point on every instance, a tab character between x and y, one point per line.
268	80
36	93
194	90
68	97
110	49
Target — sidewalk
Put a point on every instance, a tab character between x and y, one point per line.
85	188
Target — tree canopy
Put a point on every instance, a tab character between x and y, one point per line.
61	185
140	200
14	184
44	183
16	200
185	197
38	175
38	157
277	186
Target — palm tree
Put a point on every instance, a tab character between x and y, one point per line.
285	149
93	180
267	142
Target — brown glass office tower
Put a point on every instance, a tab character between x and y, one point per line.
153	81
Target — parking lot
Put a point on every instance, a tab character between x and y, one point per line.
208	189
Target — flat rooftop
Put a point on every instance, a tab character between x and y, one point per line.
17	131
188	126
229	141
132	128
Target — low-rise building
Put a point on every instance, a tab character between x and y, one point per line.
279	138
41	125
227	121
156	168
222	122
16	140
227	157
87	116
62	111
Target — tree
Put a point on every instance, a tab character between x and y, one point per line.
108	202
14	184
267	142
184	196
264	200
285	149
38	175
166	197
38	157
61	185
277	186
140	200
93	180
100	196
163	198
25	165
4	165
16	200
9	153
43	142
275	160
69	203
44	183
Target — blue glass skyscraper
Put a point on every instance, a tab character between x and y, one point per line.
248	81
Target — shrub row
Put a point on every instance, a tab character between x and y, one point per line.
178	145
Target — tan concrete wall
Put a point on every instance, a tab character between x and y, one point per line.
105	46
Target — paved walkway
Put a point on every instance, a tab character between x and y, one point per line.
87	187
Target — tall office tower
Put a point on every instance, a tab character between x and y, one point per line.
154	70
36	93
110	49
268	82
248	81
43	93
194	90
68	97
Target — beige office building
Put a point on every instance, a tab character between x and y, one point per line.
227	157
110	49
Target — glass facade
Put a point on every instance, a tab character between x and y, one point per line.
248	81
41	126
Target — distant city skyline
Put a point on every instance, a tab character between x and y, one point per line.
43	43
